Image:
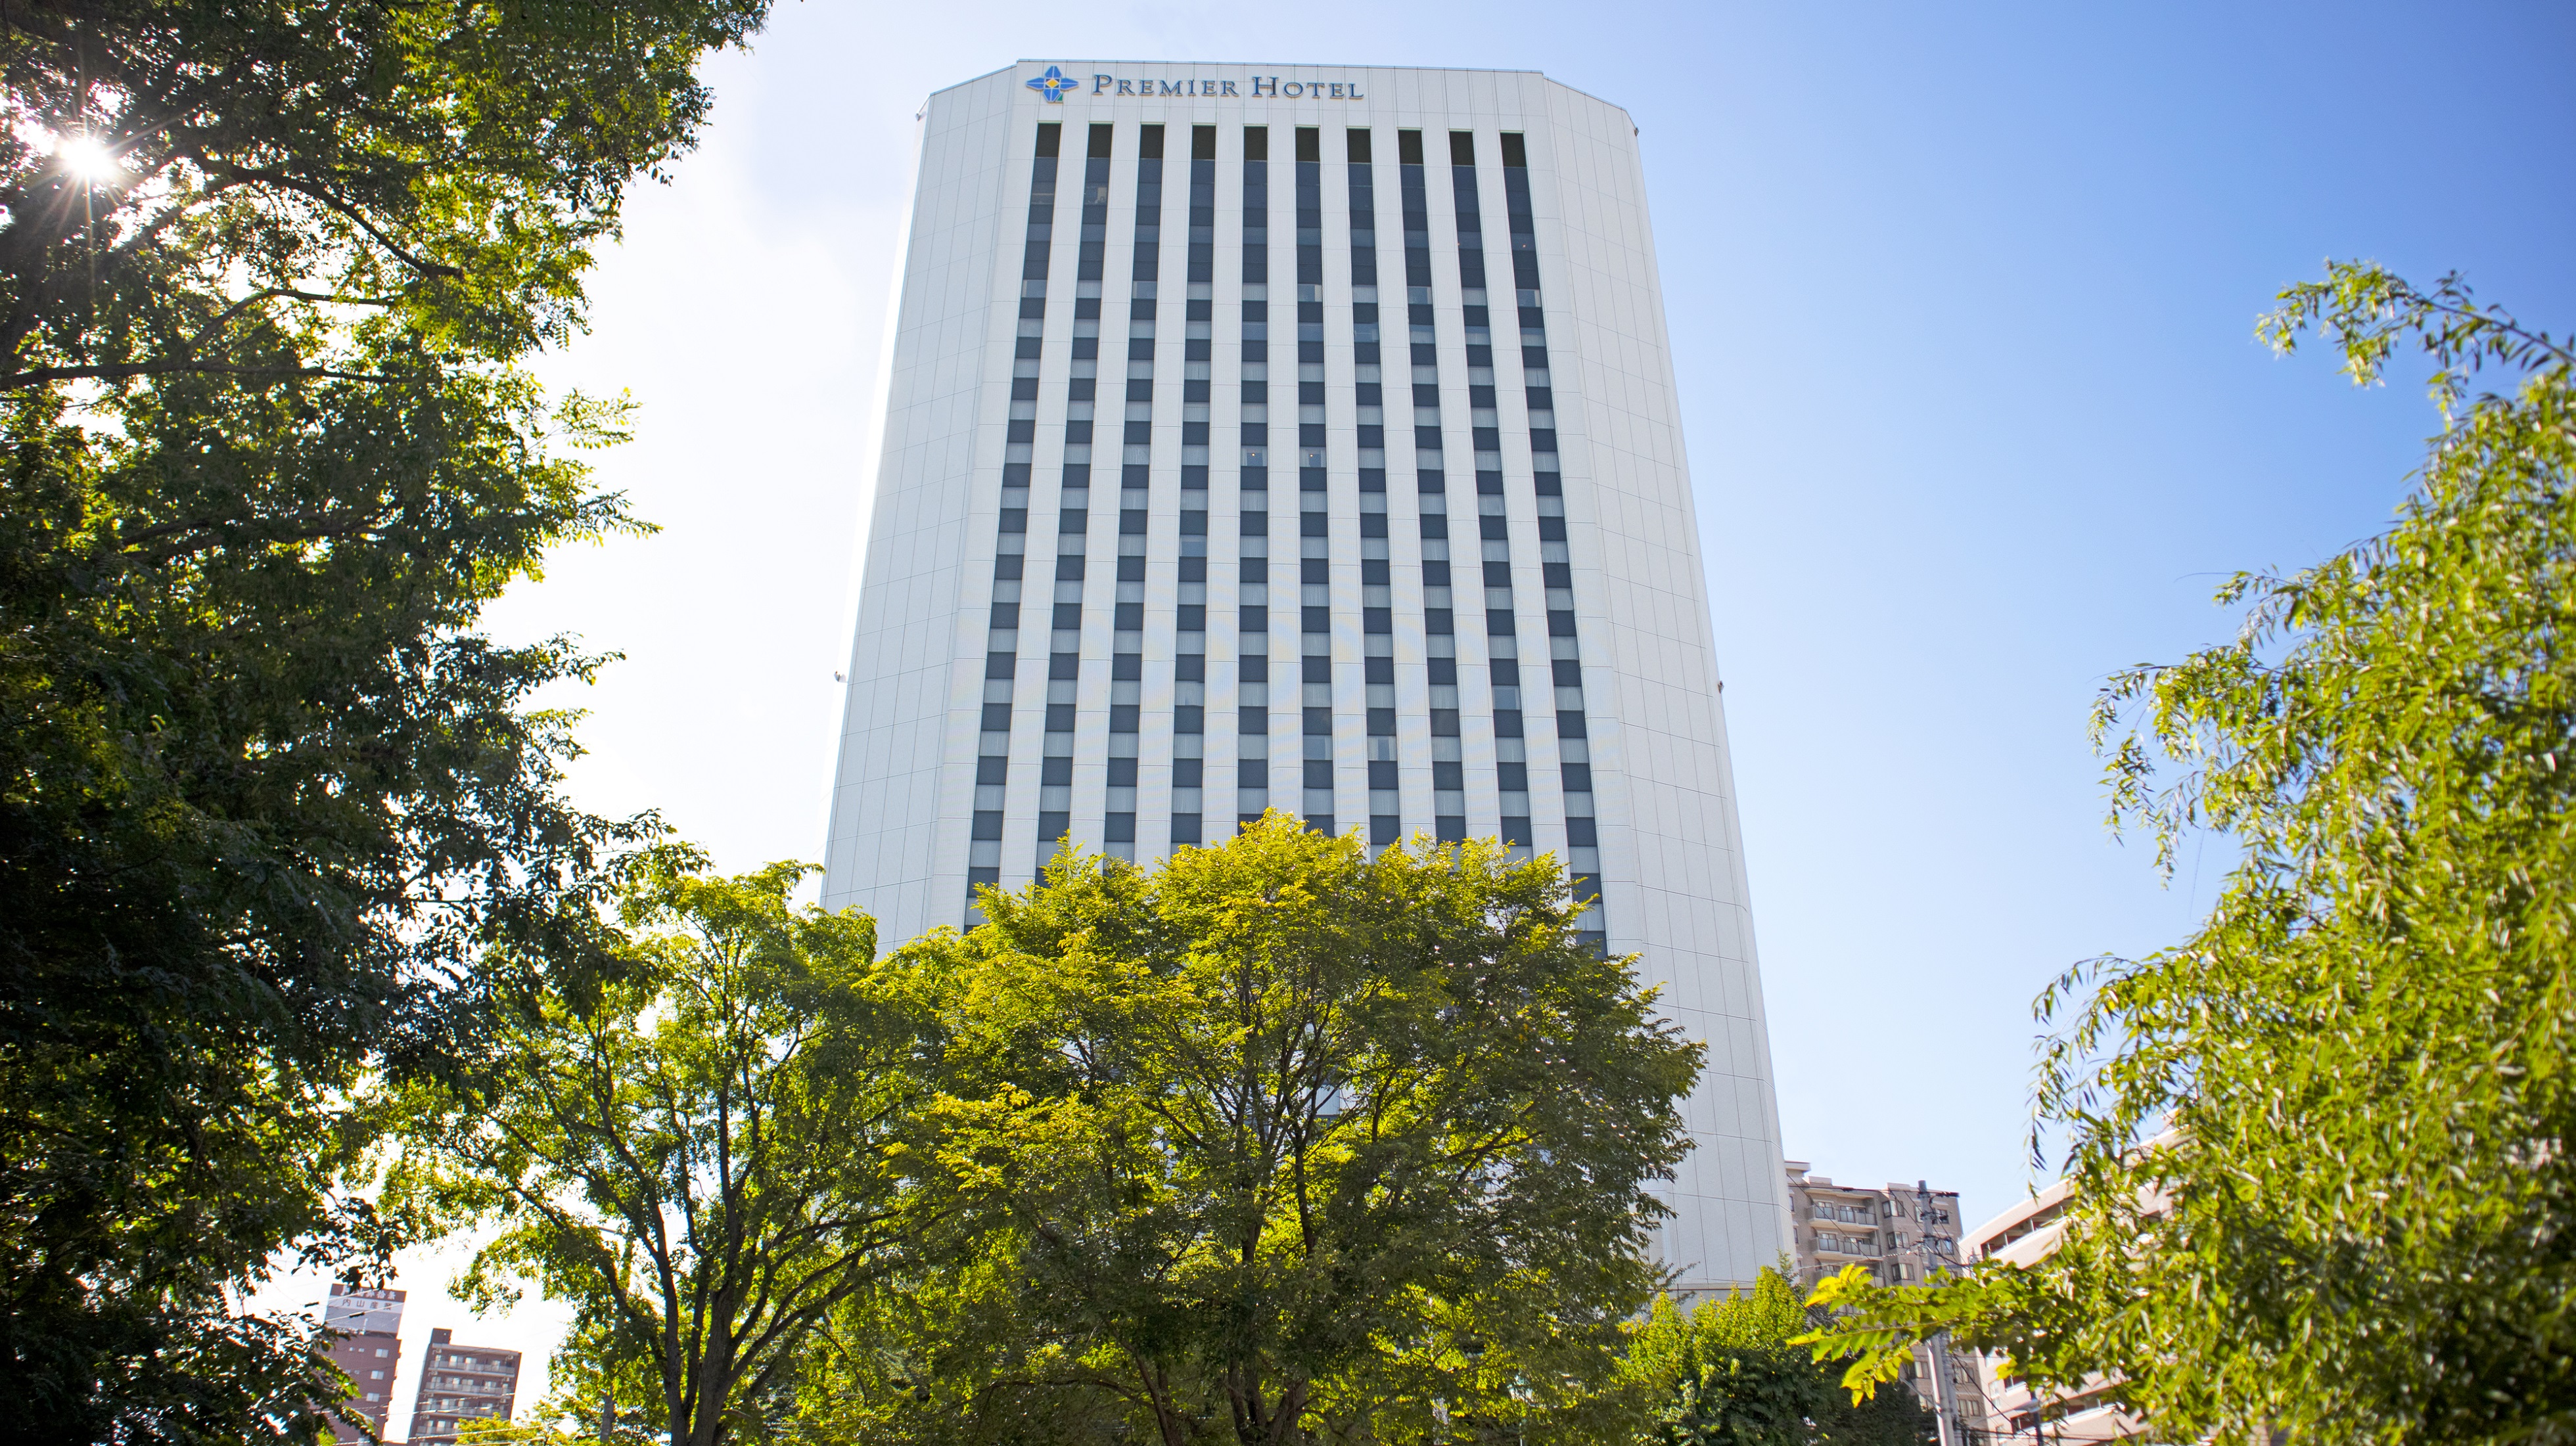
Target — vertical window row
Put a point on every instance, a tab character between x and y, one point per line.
1377	600
1001	658
1189	645
1252	696
1573	746
1493	535
1073	504
1314	546
1439	615
1127	636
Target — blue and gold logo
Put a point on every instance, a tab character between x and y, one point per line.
1053	85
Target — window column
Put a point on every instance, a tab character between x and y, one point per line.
1189	639
1252	743
1493	533
1439	617
1073	507
1314	535
1377	601
1127	638
1565	663
1001	658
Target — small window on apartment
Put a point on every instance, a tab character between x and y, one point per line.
1049	134
1203	143
1357	144
1310	143
1100	138
1256	143
1408	148
1462	148
1149	143
1515	152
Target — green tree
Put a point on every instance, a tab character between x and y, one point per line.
704	1155
2321	1147
1728	1373
1305	1141
266	273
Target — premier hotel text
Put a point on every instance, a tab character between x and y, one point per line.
1263	86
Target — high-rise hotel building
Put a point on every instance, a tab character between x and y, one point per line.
1305	438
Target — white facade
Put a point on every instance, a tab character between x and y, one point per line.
1466	573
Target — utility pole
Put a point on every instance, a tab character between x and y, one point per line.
1937	1252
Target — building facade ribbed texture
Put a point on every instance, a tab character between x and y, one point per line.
1304	438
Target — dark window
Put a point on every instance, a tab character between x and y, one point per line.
1256	143
1100	136
1310	144
1049	132
988	823
1202	143
1149	144
1515	152
1357	144
1408	148
992	768
1000	665
1462	146
1056	772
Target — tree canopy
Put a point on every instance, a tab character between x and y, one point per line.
267	273
705	1154
1284	1139
2320	1148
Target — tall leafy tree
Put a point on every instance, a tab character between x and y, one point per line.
2322	1146
1299	1141
267	272
705	1155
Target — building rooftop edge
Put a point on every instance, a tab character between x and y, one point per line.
1298	64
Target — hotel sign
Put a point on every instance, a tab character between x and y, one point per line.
1055	85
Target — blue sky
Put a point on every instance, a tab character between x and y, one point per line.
1963	302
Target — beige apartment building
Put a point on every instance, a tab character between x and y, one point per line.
2020	1236
1897	1233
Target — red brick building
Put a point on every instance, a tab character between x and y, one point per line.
366	1344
